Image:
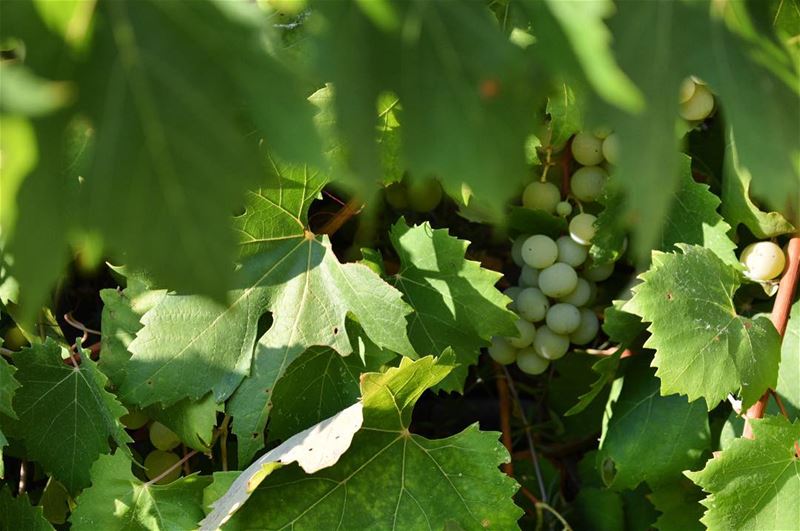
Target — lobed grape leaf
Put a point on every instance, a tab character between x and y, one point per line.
788	383
8	386
566	115
692	218
119	500
83	415
463	88
598	509
589	38
456	304
523	220
679	505
738	208
19	514
703	347
170	162
671	434
315	386
423	483
754	484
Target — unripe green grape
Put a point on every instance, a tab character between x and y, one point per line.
581	228
501	351
530	362
134	419
558	280
162	437
598	273
529	277
587	149
611	148
571	252
396	195
539	251
563	318
532	304
550	345
686	90
580	295
762	260
564	209
157	462
587	183
699	105
587	329
526	334
516	249
15	339
424	196
541	195
512	293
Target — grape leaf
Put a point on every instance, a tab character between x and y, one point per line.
671	434
583	28
679	505
754	484
523	220
463	89
566	115
606	367
621	326
167	154
8	386
83	415
118	500
315	386
738	208
423	483
573	374
598	510
192	422
703	348
313	449
788	383
693	218
19	514
456	304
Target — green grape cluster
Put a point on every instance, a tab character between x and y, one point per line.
696	100
557	283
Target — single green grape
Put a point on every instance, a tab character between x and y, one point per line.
587	149
501	351
564	209
529	277
598	273
539	251
541	195
563	318
157	462
512	293
699	106
762	261
611	148
532	304
550	345
530	362
587	329
162	437
526	334
424	196
558	280
134	419
582	229
580	295
516	249
570	252
396	195
587	183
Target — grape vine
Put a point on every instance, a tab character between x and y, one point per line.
399	264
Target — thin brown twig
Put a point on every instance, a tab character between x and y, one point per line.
23	478
353	207
187	469
74	323
505	417
166	472
528	434
779	318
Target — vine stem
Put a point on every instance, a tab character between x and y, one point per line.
505	417
779	317
353	207
74	323
166	472
527	427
